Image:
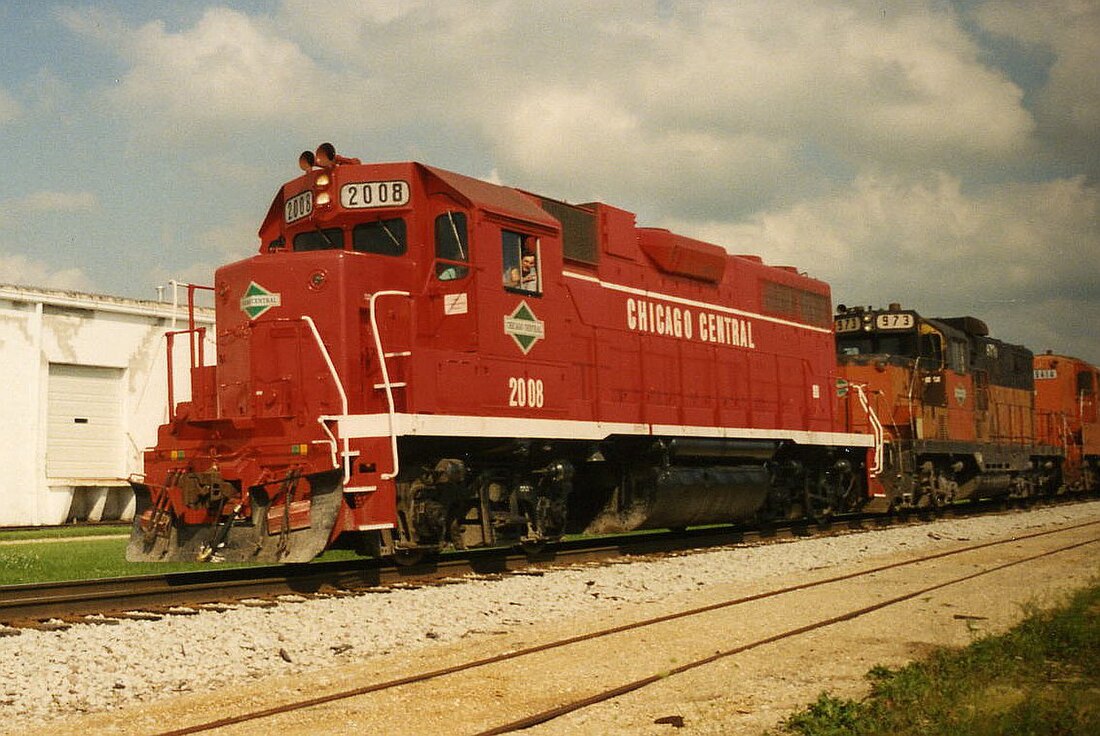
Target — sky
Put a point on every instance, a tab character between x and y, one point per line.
943	154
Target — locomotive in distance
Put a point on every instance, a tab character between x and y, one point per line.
418	360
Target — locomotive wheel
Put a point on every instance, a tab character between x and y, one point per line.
817	509
532	548
409	556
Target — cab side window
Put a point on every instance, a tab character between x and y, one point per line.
521	262
452	250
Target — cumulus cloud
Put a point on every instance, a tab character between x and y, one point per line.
22	271
1067	105
1016	254
703	106
779	91
229	69
864	83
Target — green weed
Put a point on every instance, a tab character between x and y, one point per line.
1040	678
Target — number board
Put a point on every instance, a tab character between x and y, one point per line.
848	324
367	194
894	321
298	206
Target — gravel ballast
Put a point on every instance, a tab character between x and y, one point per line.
92	668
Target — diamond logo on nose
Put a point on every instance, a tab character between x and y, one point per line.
257	300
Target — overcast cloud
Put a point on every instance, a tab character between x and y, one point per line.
942	154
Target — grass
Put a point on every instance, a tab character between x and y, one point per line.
1040	678
63	532
30	561
25	558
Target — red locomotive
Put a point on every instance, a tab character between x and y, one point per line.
417	359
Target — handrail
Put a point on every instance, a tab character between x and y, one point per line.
196	343
876	427
170	339
343	400
386	378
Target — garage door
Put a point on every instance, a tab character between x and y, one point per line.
84	434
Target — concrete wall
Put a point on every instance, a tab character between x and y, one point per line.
40	328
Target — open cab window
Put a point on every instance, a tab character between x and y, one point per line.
452	248
521	256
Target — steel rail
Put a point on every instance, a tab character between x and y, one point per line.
545	716
612	693
29	604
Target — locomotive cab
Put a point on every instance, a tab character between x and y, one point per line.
368	303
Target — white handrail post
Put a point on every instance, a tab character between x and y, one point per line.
343	397
876	427
386	378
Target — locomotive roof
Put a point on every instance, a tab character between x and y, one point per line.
496	198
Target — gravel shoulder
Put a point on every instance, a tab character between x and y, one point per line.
139	677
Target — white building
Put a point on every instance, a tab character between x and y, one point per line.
87	388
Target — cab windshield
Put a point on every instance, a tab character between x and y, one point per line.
876	343
385	237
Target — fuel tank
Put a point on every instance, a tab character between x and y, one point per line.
679	496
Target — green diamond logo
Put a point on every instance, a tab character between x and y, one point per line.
524	327
257	300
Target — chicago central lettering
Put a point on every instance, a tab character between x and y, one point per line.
643	315
662	319
723	330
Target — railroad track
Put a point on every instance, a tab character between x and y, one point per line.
60	604
53	605
625	637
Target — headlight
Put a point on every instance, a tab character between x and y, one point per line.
323	198
321	181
